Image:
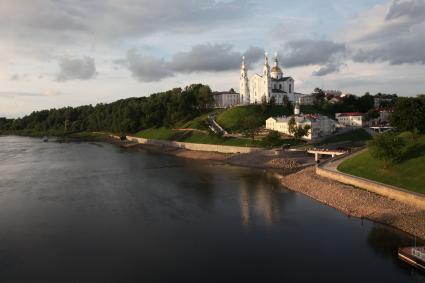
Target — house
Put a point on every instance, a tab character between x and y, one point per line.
320	126
225	99
305	99
352	119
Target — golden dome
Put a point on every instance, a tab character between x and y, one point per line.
276	69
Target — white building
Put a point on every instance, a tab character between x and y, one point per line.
320	126
305	99
353	119
271	83
225	99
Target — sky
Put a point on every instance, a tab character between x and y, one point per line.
57	53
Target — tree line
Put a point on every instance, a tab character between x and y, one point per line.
125	116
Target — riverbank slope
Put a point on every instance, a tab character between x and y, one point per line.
357	202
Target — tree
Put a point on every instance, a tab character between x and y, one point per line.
250	126
285	100
298	131
372	114
302	131
263	104
387	147
232	90
409	114
272	139
272	102
365	103
319	96
292	124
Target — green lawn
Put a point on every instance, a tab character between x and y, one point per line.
199	123
358	135
230	119
409	173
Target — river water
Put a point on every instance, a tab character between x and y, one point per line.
92	212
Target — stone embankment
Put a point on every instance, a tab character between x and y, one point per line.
357	202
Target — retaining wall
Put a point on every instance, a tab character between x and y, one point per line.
389	191
195	146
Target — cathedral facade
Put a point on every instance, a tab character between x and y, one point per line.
271	83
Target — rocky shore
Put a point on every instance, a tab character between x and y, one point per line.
357	202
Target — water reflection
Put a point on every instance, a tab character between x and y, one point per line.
258	199
84	213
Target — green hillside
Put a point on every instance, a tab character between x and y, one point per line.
409	173
231	118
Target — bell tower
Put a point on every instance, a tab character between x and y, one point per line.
266	88
244	84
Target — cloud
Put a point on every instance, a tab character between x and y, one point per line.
413	11
308	52
76	68
17	77
332	67
48	92
48	20
145	68
201	58
212	58
394	36
312	52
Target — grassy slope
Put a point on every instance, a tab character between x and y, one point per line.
230	118
408	174
358	135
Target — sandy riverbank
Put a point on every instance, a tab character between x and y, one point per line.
357	202
285	162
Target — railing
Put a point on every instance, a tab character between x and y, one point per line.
417	253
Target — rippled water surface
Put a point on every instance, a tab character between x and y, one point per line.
91	212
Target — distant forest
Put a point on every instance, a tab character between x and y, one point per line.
174	107
126	115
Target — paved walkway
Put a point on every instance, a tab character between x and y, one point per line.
333	164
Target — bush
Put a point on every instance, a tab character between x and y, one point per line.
387	147
272	139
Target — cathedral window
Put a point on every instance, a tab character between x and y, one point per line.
280	86
290	88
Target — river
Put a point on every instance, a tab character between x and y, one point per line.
93	212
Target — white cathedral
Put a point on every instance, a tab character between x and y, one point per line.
271	83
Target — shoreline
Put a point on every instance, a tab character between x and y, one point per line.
297	174
301	177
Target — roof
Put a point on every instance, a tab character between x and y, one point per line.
278	90
303	118
276	69
282	79
382	109
350	114
223	92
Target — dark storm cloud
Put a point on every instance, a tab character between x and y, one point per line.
76	68
201	58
